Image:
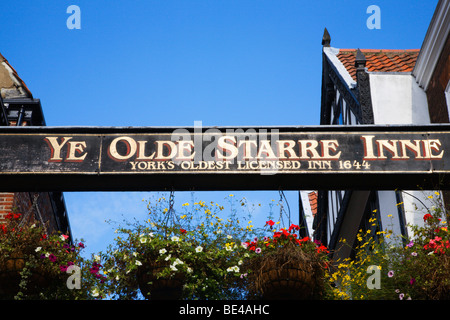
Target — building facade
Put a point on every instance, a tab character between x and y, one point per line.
382	87
19	108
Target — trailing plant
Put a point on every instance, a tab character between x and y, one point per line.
281	253
34	263
201	245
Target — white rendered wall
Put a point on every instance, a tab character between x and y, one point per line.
397	99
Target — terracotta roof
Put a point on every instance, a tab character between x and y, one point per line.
11	85
380	60
312	196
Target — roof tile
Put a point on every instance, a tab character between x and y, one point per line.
380	60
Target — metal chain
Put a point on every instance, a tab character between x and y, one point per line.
27	214
280	202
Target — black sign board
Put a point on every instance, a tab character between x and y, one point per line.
224	158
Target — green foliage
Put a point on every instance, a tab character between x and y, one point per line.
203	244
34	263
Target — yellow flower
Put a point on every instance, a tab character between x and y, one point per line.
430	197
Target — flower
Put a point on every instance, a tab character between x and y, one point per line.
258	250
38	249
138	263
64	237
199	249
95	292
162	251
270	223
427	216
390	274
175	238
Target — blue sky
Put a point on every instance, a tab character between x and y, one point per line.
170	63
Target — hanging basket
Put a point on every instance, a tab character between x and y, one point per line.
286	282
284	277
159	288
11	276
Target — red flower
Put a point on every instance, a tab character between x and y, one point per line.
182	230
270	223
293	227
427	216
322	248
14	216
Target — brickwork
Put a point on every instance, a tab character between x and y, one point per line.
6	204
22	202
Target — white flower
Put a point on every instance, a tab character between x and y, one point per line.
233	269
173	268
229	237
168	257
38	249
177	261
189	270
175	238
97	258
143	239
95	292
199	249
135	254
162	251
138	263
240	262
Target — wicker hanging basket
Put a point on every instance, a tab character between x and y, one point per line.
10	278
289	281
159	288
282	276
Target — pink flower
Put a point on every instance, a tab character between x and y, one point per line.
390	274
258	250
